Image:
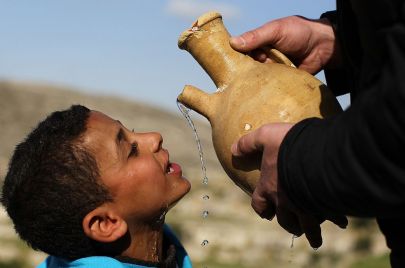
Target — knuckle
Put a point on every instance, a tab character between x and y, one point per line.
261	206
275	30
252	36
263	133
295	18
275	25
257	207
256	200
253	204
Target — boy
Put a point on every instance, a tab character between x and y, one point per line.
91	193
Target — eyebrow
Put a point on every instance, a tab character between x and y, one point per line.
120	135
118	138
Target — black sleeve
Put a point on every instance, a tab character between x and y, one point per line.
354	163
337	79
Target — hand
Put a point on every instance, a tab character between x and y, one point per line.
310	44
269	199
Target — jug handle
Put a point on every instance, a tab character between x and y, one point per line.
277	56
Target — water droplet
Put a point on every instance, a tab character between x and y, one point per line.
205	181
206	197
292	241
205	214
315	249
204	242
162	216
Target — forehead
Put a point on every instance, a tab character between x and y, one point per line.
97	118
98	126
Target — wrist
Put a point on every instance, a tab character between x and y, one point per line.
328	48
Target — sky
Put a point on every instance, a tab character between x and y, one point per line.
126	48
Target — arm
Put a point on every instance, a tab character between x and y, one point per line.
359	153
351	164
359	170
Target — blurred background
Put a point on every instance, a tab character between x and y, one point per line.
121	57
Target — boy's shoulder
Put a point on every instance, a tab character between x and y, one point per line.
94	261
182	258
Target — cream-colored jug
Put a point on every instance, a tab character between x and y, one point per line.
249	94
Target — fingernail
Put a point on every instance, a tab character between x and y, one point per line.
238	41
234	149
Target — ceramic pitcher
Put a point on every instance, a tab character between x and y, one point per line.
248	95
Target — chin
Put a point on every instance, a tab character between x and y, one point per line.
187	186
182	189
183	186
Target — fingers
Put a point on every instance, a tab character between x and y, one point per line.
264	207
247	144
259	55
289	221
312	229
269	136
340	221
264	35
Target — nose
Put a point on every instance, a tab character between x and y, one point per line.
154	141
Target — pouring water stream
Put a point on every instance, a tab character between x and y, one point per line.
186	113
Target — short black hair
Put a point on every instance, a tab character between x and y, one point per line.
52	183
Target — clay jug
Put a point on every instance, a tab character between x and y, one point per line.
249	94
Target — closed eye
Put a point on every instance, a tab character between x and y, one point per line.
134	150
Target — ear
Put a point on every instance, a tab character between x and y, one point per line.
103	224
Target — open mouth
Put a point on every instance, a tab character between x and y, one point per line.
169	168
173	168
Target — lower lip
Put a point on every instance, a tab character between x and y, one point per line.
176	169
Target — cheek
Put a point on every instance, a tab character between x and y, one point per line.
153	176
144	182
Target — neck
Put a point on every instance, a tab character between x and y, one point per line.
146	242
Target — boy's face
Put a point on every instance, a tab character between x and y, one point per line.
135	168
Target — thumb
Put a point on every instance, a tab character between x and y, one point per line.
247	144
248	41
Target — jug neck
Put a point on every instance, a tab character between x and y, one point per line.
208	42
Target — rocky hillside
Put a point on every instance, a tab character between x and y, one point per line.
237	237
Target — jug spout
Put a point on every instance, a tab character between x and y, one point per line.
197	100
